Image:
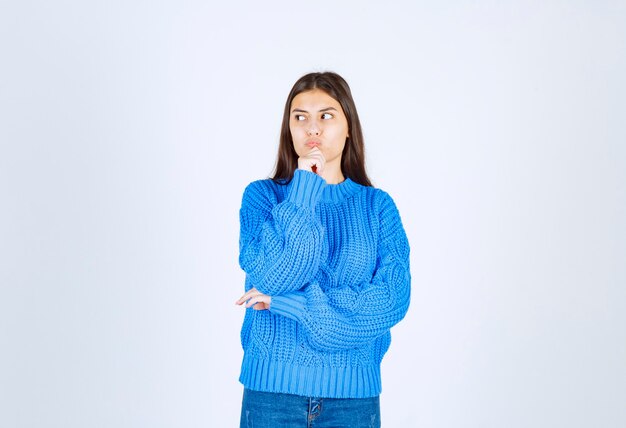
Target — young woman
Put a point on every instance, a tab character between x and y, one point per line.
327	271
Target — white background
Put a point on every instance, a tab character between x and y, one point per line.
129	129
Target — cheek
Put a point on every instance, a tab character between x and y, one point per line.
296	132
342	146
295	138
340	138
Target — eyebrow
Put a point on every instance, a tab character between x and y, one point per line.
320	111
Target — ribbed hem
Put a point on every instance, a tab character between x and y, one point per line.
323	382
305	188
289	305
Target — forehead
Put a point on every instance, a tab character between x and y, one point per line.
314	99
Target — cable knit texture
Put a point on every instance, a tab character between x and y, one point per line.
335	259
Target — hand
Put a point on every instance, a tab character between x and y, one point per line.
255	299
313	161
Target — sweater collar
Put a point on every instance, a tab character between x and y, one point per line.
335	193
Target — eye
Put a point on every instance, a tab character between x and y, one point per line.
327	116
299	117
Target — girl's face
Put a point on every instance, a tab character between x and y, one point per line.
317	120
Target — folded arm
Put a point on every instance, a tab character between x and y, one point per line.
343	318
280	243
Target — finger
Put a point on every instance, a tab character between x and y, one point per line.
317	161
265	304
247	295
313	161
244	299
256	299
318	156
319	164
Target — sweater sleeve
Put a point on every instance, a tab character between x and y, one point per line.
349	317
280	243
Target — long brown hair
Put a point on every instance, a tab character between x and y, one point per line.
353	155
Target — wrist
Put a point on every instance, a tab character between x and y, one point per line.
305	188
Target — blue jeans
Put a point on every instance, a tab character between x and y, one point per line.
275	410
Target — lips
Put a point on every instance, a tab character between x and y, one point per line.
312	143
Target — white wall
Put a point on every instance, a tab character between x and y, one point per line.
129	129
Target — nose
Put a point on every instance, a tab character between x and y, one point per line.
314	128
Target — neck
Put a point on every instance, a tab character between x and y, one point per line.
332	177
332	172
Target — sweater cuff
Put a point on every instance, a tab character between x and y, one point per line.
290	305
305	188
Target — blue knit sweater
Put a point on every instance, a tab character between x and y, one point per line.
335	259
